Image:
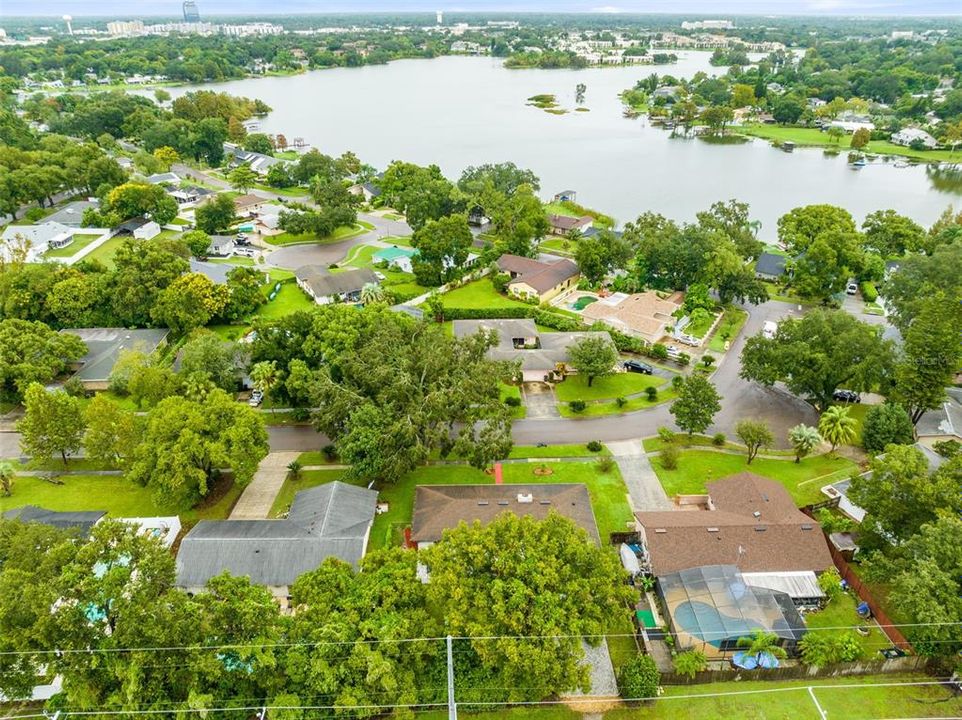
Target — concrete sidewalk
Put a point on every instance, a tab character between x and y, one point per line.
644	488
257	499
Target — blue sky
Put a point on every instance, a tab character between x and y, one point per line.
138	8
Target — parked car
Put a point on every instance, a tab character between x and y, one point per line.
242	239
688	340
245	252
769	329
848	396
638	367
851	288
257	397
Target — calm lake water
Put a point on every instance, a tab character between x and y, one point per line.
461	111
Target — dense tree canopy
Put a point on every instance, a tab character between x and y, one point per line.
817	354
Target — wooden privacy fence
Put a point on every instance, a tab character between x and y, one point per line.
861	589
906	664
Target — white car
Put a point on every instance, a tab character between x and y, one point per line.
769	329
257	397
851	288
245	252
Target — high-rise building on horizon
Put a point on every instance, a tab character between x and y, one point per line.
440	16
191	13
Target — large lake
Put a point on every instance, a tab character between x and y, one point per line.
461	111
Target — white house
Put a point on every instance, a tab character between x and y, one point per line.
325	287
147	231
907	136
43	237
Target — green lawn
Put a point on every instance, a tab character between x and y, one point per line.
114	494
575	210
309	479
554	451
607	491
840	612
606	407
229	332
80	241
727	330
699	328
575	387
803	480
815	137
479	294
507	391
342	233
559	245
105	253
289	299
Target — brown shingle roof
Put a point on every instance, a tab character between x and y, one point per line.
538	275
244	201
780	538
441	507
519	265
566	222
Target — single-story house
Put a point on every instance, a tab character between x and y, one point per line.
79	521
539	354
43	237
442	507
711	607
563	224
746	520
536	279
147	230
943	423
247	206
397	257
852	124
72	213
667	92
190	196
258	162
840	489
331	520
215	272
221	246
595	231
141	228
907	136
326	287
104	346
566	196
163	529
770	266
644	315
367	190
268	223
167	178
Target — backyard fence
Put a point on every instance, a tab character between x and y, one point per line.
845	570
906	664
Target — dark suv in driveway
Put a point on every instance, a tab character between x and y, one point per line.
848	396
638	367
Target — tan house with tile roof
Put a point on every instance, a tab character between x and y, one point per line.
644	315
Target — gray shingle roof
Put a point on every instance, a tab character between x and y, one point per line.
326	284
80	520
71	214
331	520
104	346
770	264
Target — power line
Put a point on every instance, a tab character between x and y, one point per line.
322	643
524	703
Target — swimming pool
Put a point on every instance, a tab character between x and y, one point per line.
582	302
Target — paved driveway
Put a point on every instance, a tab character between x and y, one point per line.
539	400
643	485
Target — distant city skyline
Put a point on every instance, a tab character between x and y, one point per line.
126	9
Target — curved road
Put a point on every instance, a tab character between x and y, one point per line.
740	399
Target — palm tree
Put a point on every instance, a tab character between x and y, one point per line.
6	477
837	426
761	642
264	377
804	439
371	293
